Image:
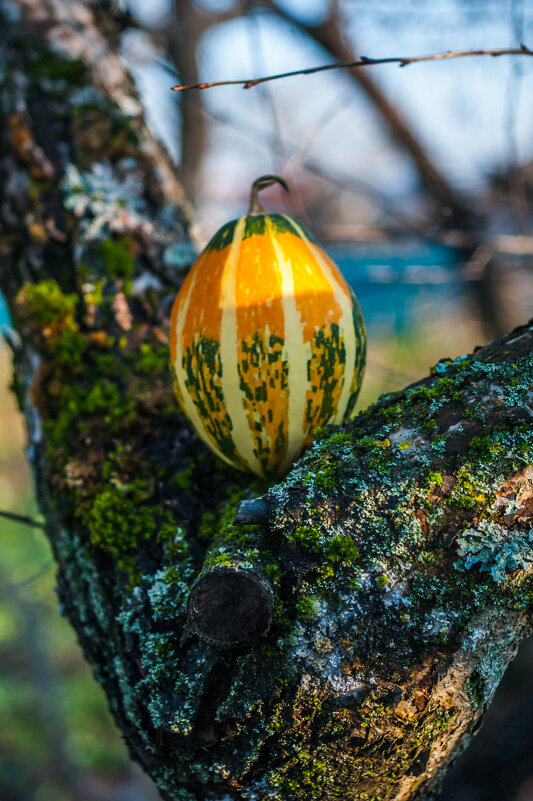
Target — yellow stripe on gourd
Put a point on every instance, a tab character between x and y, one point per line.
229	349
297	353
346	327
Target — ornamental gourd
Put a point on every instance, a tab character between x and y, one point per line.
267	341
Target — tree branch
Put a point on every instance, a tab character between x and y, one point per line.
454	209
24	519
362	61
398	549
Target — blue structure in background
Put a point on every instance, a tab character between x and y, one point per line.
400	283
397	283
4	316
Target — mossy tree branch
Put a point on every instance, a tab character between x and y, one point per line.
399	548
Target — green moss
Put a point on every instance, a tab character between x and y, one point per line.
309	536
272	569
311	774
470	491
69	348
391	411
120	518
434	477
207	529
113	408
321	432
432	393
339	438
46	65
152	359
218	525
118	409
184	478
308	607
342	548
93	395
118	258
483	446
45	305
324	479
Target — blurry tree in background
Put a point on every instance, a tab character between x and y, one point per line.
419	180
438	150
57	740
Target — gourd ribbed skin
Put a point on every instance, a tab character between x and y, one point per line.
267	343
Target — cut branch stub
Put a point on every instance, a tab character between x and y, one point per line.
232	601
256	510
229	605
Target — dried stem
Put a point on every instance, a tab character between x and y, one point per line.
260	183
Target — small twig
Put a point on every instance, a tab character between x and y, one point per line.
8	590
363	61
28	521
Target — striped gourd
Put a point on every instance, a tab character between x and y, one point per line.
267	341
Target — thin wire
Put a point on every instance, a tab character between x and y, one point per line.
300	155
280	154
331	174
514	84
257	59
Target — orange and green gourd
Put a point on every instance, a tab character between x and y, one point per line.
267	341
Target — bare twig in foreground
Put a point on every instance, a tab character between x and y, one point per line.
363	61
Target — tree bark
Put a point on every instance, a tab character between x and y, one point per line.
398	549
184	33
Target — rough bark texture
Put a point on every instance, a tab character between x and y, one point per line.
399	547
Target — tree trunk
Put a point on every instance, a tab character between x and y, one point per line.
397	552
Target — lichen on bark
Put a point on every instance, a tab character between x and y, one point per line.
398	547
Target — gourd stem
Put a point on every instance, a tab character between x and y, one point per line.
261	183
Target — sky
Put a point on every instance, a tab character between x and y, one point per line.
474	115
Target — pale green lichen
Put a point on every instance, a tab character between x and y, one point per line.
495	549
104	202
